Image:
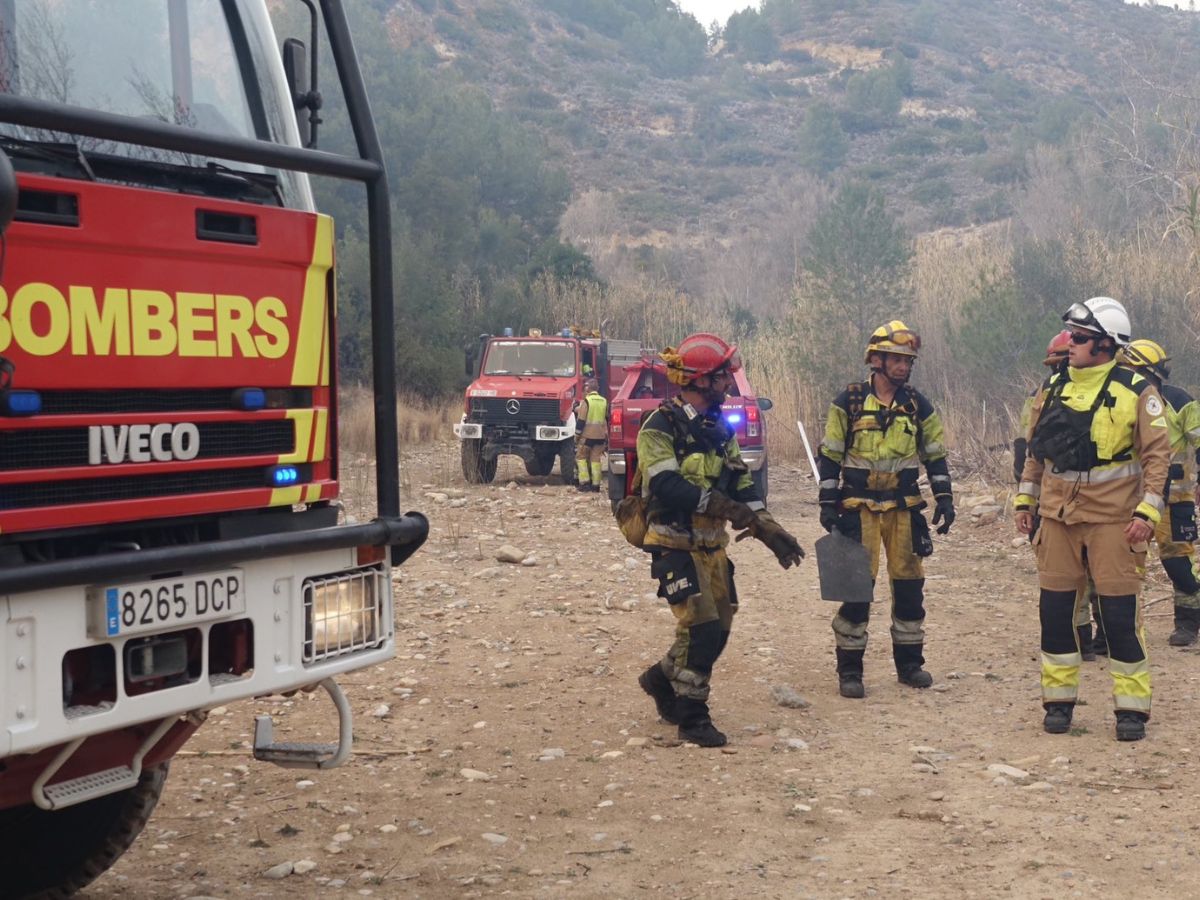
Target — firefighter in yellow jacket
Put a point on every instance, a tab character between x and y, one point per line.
1175	534
1099	453
592	414
694	480
877	435
1056	359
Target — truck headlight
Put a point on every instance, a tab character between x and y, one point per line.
342	613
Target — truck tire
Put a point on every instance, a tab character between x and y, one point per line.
540	465
566	461
476	469
54	854
761	480
616	491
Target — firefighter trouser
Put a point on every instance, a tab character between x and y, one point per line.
588	454
698	586
1179	560
1117	569
892	530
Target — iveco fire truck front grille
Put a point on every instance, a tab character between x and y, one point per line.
39	448
65	403
510	410
106	490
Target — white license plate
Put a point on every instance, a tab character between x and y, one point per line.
119	610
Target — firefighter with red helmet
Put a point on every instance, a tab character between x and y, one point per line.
694	480
877	435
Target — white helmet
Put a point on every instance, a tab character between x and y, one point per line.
1101	315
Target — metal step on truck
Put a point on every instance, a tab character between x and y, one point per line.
170	528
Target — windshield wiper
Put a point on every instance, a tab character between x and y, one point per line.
54	152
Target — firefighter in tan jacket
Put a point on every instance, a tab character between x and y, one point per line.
1099	453
592	413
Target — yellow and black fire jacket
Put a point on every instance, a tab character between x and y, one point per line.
871	453
1131	435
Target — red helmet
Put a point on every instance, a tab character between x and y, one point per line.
700	354
1056	350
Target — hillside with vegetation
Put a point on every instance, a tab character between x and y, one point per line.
589	160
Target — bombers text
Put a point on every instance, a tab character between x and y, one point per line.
41	320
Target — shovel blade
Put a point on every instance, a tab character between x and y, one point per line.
844	568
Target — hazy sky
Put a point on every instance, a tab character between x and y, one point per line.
707	10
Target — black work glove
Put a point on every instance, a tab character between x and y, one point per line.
829	516
779	541
944	513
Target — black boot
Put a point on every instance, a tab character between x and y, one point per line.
1187	627
654	682
1058	717
695	725
850	673
1086	650
1131	725
909	660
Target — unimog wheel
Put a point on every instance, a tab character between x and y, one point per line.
541	464
476	469
566	461
54	854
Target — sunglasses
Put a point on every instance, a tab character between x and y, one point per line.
1082	337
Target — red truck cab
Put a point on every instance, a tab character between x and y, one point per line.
522	399
645	387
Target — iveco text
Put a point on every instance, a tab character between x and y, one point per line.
142	443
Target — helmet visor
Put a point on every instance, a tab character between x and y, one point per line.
1080	316
897	337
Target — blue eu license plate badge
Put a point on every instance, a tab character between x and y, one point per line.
112	611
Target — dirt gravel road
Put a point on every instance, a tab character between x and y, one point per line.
507	750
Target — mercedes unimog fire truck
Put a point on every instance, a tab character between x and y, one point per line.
170	537
522	399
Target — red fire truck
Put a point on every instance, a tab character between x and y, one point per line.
523	398
170	537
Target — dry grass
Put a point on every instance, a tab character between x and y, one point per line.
417	422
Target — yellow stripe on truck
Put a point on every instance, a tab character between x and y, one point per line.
288	496
303	419
311	366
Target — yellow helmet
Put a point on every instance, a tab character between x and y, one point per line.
1146	354
894	337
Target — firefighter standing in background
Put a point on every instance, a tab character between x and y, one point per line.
592	413
1175	534
876	436
1056	359
1099	453
694	480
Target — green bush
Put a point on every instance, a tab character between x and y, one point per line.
911	144
503	18
821	142
932	193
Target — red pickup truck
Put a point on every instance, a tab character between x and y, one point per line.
644	388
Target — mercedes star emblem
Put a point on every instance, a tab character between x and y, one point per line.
513	407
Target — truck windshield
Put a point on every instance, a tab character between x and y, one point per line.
554	358
211	65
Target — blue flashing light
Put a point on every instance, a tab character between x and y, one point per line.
250	399
508	331
733	418
566	332
283	476
20	403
